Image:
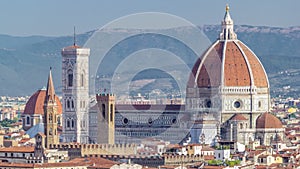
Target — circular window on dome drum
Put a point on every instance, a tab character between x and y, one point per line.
125	121
208	104
150	121
174	121
237	104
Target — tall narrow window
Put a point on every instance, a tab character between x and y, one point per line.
50	131
68	104
72	104
58	120
111	112
103	111
70	78
82	80
27	120
68	123
73	123
50	118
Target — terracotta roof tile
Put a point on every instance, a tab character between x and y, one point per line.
239	63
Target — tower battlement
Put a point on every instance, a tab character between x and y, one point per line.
84	150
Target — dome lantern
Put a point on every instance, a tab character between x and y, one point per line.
227	27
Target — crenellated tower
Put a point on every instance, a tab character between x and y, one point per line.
106	121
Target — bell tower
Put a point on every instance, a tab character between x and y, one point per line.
75	93
50	119
106	119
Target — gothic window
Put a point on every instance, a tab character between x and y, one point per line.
103	111
50	117
72	104
82	80
70	78
50	131
73	123
68	104
68	123
58	120
111	112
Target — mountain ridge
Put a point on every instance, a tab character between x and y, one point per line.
25	61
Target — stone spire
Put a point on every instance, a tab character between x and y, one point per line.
50	93
227	27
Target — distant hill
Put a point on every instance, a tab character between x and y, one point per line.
25	61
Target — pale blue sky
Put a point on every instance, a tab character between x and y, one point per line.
57	17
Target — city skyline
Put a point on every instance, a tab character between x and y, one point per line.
56	18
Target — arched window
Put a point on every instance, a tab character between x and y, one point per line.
72	104
50	131
73	123
241	125
50	117
82	80
111	112
58	120
27	120
103	111
68	123
70	78
68	104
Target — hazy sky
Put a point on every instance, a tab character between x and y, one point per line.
57	17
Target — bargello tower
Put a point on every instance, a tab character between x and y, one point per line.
106	118
75	92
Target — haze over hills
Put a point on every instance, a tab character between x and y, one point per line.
25	61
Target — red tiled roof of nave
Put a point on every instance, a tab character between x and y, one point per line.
238	117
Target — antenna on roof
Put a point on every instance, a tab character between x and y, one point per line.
74	37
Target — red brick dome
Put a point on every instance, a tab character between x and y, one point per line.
35	104
267	120
228	63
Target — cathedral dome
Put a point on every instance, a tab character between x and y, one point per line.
228	62
267	120
35	104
